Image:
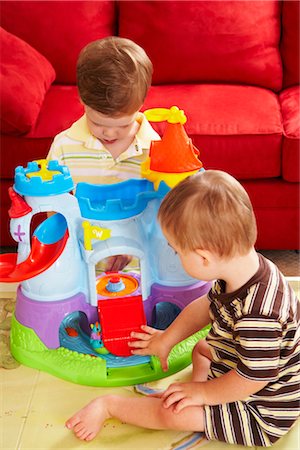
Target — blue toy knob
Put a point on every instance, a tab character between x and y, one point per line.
115	284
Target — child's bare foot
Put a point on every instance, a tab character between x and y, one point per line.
87	422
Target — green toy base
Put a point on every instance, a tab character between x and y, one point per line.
84	369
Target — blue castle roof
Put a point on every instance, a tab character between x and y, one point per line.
117	201
60	183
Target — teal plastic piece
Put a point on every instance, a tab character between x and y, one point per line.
52	229
117	201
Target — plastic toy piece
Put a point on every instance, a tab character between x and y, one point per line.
104	285
119	317
163	178
71	332
43	172
115	284
41	257
96	331
29	181
182	154
93	232
172	115
19	207
96	339
117	201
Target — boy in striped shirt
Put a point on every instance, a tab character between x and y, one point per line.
111	140
245	380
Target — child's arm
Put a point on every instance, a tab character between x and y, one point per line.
117	263
228	388
192	318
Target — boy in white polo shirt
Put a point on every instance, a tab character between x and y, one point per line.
111	140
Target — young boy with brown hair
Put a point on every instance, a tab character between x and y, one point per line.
245	380
111	140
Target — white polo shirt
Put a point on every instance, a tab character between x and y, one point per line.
89	161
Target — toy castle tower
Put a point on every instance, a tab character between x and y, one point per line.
174	157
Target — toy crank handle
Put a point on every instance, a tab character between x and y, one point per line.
172	115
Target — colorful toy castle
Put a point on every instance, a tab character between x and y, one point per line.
69	321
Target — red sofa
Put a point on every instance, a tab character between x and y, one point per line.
232	66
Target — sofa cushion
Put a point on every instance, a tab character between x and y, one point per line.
236	128
276	206
290	44
290	108
64	27
60	109
26	75
200	41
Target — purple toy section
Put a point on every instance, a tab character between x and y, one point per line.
45	318
179	296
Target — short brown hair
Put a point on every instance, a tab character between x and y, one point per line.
113	75
212	211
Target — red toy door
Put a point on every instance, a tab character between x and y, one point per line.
118	318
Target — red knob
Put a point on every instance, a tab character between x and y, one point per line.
115	279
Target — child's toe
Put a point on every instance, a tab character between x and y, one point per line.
84	435
90	437
79	429
72	422
81	432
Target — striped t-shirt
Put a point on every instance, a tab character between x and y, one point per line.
89	161
255	330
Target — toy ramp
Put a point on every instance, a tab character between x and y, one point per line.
43	252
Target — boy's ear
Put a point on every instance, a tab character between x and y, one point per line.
205	255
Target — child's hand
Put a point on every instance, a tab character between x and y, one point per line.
116	263
151	342
182	395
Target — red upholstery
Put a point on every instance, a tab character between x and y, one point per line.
232	66
290	42
236	128
195	41
59	29
290	108
276	207
23	70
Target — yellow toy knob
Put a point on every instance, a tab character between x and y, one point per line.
172	115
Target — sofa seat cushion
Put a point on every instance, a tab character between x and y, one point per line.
290	108
26	76
236	128
276	206
196	41
59	29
